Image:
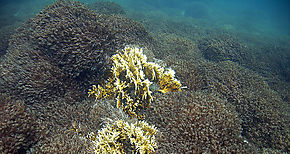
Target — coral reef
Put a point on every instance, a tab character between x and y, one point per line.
194	122
55	120
105	7
54	57
273	61
224	47
89	36
62	141
28	76
64	49
189	72
172	45
104	111
114	137
130	80
64	127
64	124
17	126
261	109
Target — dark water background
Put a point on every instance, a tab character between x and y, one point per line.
258	17
261	17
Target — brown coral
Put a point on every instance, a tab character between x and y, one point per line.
224	47
56	121
261	109
30	77
196	123
78	40
17	126
64	126
63	49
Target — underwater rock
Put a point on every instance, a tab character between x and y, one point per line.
64	49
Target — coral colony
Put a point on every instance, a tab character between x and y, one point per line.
236	100
111	139
130	81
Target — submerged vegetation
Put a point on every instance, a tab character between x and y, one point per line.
234	98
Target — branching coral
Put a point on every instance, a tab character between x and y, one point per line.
196	122
113	138
130	81
17	126
261	109
62	50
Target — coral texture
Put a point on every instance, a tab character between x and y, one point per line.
224	48
17	126
63	127
53	59
63	49
113	138
263	112
130	81
55	120
78	40
194	122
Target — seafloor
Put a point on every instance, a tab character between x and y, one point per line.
236	98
